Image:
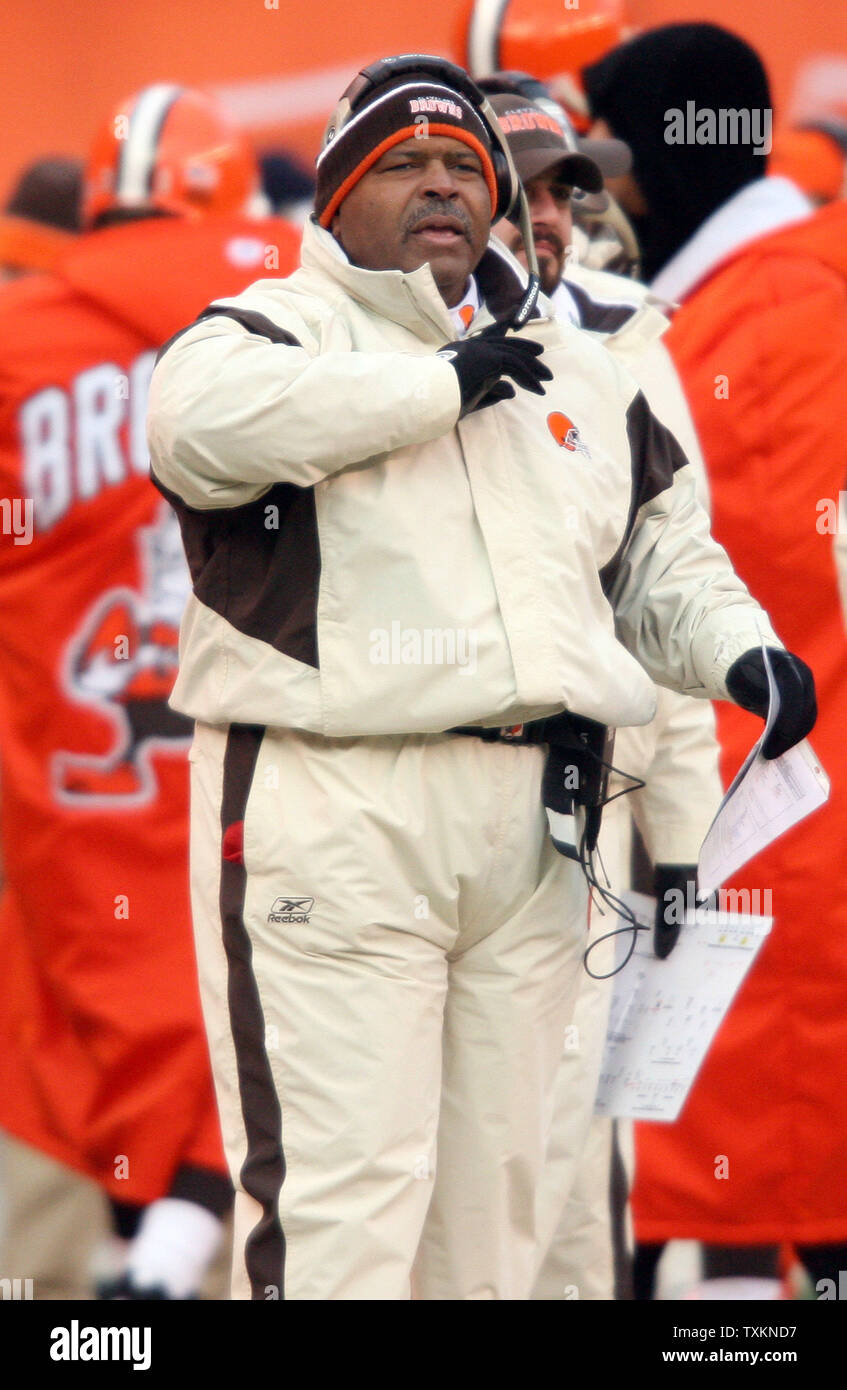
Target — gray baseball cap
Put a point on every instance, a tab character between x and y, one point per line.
540	142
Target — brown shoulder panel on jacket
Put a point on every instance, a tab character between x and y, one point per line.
655	457
258	565
598	315
248	318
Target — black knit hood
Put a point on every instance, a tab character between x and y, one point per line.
636	87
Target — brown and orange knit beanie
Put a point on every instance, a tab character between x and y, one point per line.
408	107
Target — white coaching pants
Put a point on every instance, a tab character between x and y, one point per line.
387	969
573	1214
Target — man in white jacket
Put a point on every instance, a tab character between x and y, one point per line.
397	528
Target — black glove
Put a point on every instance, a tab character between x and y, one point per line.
673	895
747	683
479	363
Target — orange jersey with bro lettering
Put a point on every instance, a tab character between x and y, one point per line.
103	1059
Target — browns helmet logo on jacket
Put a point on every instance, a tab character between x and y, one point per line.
565	433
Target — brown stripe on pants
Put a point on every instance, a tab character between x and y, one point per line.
263	1170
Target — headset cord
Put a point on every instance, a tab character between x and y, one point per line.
597	892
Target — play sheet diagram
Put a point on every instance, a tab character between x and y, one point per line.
664	1014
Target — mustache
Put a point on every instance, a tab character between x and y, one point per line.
438	207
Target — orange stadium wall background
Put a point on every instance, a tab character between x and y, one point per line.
280	64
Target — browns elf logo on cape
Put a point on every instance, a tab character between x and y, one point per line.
122	661
565	433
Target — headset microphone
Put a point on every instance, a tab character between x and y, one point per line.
533	288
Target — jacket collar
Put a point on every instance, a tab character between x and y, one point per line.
411	298
757	209
623	311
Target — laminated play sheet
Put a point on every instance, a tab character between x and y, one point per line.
665	1013
765	799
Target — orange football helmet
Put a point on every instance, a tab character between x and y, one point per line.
171	149
546	38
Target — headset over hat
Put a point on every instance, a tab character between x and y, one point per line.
387	103
171	150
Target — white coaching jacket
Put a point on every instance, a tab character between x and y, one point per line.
676	754
365	563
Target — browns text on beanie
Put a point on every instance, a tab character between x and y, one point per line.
636	87
398	111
